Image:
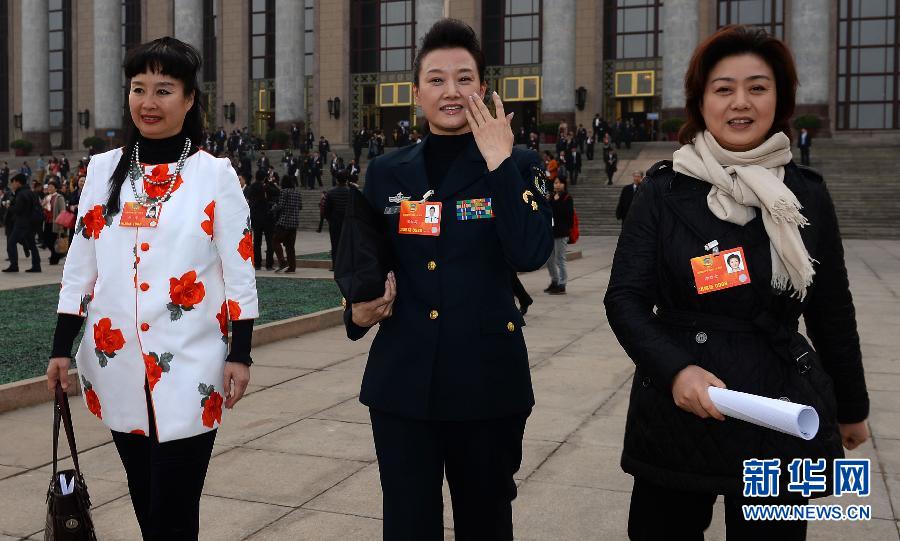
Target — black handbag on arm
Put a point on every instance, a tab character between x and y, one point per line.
68	511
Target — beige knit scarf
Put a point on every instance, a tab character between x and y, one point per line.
754	178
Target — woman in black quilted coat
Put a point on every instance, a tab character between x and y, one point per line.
733	184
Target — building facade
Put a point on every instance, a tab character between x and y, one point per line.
337	66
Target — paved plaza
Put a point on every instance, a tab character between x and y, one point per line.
295	460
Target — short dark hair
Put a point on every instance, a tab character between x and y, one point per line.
734	40
21	178
449	34
734	256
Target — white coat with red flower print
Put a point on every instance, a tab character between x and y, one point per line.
157	299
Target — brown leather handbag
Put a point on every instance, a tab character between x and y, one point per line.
68	503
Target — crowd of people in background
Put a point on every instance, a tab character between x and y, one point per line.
275	199
38	206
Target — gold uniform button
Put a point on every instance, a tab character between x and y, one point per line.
432	265
510	327
433	314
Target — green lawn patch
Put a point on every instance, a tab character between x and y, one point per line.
26	330
319	256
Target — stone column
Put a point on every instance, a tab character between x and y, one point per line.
108	93
234	72
332	73
428	12
558	62
812	41
679	40
290	80
35	77
189	22
468	11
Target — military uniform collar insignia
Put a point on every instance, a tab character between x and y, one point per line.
398	198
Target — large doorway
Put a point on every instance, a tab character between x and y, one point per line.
526	115
263	106
391	120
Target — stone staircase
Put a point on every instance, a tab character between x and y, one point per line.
858	174
862	179
595	202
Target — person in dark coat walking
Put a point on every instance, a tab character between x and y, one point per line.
804	141
627	195
723	194
295	137
447	381
22	217
262	196
573	164
335	208
611	157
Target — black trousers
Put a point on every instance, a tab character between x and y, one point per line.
663	513
285	238
165	481
264	231
804	155
334	234
479	457
25	237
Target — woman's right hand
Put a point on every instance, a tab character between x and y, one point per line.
367	314
58	370
690	390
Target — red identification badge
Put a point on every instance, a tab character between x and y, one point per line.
720	270
136	215
420	218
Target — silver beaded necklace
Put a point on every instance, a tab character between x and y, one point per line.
137	171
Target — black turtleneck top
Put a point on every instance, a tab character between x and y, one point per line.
154	152
440	153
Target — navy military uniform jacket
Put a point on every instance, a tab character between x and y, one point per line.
453	348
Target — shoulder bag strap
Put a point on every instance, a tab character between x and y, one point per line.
61	412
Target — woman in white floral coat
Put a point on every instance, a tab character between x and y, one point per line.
160	262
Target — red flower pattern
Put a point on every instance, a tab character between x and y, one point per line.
230	310
245	247
222	317
186	291
207	225
234	310
211	404
155	366
93	222
154	371
107	341
159	174
91	398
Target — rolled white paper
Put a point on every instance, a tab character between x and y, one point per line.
794	419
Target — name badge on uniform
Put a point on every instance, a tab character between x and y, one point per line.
720	270
420	218
474	209
136	215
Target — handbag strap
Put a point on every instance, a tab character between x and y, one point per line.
61	412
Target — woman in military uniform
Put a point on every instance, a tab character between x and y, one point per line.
447	379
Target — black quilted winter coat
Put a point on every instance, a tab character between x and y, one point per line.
664	325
